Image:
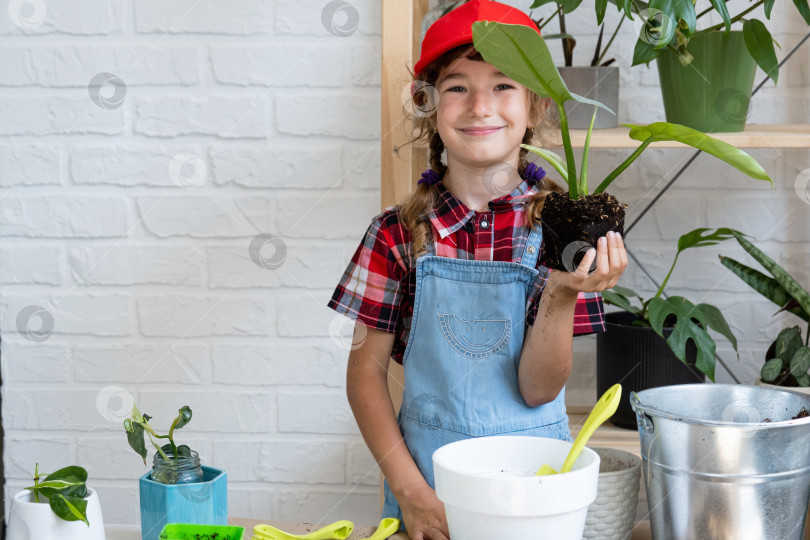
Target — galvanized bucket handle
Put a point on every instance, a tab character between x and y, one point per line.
645	421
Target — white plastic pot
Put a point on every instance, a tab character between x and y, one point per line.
29	520
489	488
800	389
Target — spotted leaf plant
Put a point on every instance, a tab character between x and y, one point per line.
138	428
65	490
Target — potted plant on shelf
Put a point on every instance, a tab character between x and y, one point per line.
598	81
706	75
573	222
663	341
787	360
58	505
177	489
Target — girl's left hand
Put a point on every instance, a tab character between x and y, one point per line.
611	261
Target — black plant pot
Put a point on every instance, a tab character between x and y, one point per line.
638	359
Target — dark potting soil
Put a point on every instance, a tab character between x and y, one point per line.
804	413
572	226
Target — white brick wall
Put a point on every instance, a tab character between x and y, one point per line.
128	214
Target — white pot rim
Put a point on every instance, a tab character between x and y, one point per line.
26	496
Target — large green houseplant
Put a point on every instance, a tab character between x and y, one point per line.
787	361
707	73
580	218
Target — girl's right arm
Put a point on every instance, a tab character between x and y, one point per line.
367	390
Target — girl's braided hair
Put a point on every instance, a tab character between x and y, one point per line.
414	212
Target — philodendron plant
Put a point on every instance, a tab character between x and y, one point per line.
690	321
137	427
521	54
788	360
65	490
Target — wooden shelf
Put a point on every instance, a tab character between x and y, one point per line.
754	136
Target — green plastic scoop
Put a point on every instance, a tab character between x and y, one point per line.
339	530
603	410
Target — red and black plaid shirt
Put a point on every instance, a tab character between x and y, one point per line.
378	286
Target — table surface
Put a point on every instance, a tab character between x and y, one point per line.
133	532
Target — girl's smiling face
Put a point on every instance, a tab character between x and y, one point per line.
482	114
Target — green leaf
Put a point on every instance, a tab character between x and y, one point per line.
788	342
692	322
71	472
601	7
780	275
720	7
771	370
764	285
800	362
625	291
804	9
70	508
644	53
696	238
613	297
136	440
183	417
768	7
664	131
552	158
680	10
759	43
56	484
183	451
803	380
569	5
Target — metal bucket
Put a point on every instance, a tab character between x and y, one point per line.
724	462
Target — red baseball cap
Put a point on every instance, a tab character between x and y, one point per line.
455	28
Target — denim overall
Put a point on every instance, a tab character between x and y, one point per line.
462	357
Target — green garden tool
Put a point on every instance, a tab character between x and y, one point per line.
603	410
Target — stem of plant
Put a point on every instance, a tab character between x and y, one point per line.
664	283
573	188
622	166
556	12
36	481
605	50
733	20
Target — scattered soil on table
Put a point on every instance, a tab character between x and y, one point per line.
571	227
804	413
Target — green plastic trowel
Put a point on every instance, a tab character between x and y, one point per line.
603	410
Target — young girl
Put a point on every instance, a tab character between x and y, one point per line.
451	283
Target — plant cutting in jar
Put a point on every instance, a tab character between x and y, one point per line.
573	222
690	321
65	490
787	361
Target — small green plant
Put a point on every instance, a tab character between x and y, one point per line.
65	490
137	428
690	321
789	363
521	54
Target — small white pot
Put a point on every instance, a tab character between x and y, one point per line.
29	520
489	488
613	514
799	389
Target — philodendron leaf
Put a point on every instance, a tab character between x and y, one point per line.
644	52
771	370
552	158
768	6
804	9
759	43
70	508
135	438
664	131
692	322
696	238
616	298
800	362
720	7
521	54
183	417
71	472
73	479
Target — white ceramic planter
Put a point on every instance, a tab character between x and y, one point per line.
613	514
30	520
799	389
489	488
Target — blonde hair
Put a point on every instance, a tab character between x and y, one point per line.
414	212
